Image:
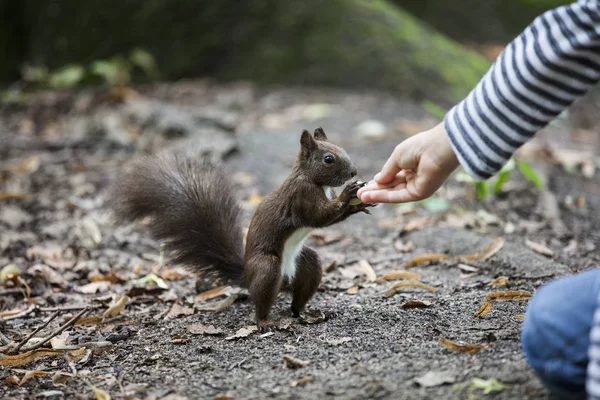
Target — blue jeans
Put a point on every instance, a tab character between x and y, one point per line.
556	332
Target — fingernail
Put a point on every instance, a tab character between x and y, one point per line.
377	176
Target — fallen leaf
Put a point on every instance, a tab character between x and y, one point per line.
327	238
223	396
367	269
10	313
212	293
294	363
312	317
301	381
116	307
499	281
89	320
112	277
217	305
94	287
24	358
461	348
48	274
13	195
508	295
77	354
243	332
178	339
483	310
402	247
488	385
349	272
467	268
32	374
178	310
539	248
200	329
390	222
330	267
12	380
416	304
520	317
153	279
337	342
401	275
173	274
425	258
9	272
492	249
61	378
436	378
408	284
59	342
352	290
99	393
419	223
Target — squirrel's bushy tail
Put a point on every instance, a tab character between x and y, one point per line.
192	210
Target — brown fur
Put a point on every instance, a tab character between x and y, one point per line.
192	210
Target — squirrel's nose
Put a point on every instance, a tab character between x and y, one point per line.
353	172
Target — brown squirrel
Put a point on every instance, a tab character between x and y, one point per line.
193	211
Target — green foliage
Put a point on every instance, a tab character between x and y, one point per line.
529	173
66	77
434	109
503	176
435	204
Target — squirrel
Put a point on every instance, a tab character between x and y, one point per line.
192	209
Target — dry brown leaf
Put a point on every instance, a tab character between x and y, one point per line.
13	196
401	275
77	354
243	332
352	290
223	396
416	304
89	320
539	248
217	305
408	284
94	287
27	165
349	272
179	339
492	249
201	329
499	281
59	342
10	313
425	258
12	380
390	222
461	348
212	293
484	309
330	267
294	363
48	274
301	381
367	269
508	295
112	277
99	393
520	317
61	378
419	223
32	374
116	307
177	310
173	274
22	359
327	238
337	342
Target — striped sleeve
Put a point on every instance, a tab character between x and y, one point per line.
553	62
593	368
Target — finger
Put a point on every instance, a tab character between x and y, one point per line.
401	195
402	158
374	185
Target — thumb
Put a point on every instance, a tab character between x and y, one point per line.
404	157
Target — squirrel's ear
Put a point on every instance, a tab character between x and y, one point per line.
307	142
320	134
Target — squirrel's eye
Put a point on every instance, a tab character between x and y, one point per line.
329	159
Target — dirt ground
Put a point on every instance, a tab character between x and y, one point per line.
60	151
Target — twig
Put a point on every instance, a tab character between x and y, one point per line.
8	292
22	314
39	328
67	308
58	331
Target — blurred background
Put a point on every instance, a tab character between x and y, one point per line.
412	48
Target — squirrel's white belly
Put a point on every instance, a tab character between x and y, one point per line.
291	250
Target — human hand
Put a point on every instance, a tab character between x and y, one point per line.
415	170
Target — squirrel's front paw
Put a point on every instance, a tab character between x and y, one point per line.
350	191
361	207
